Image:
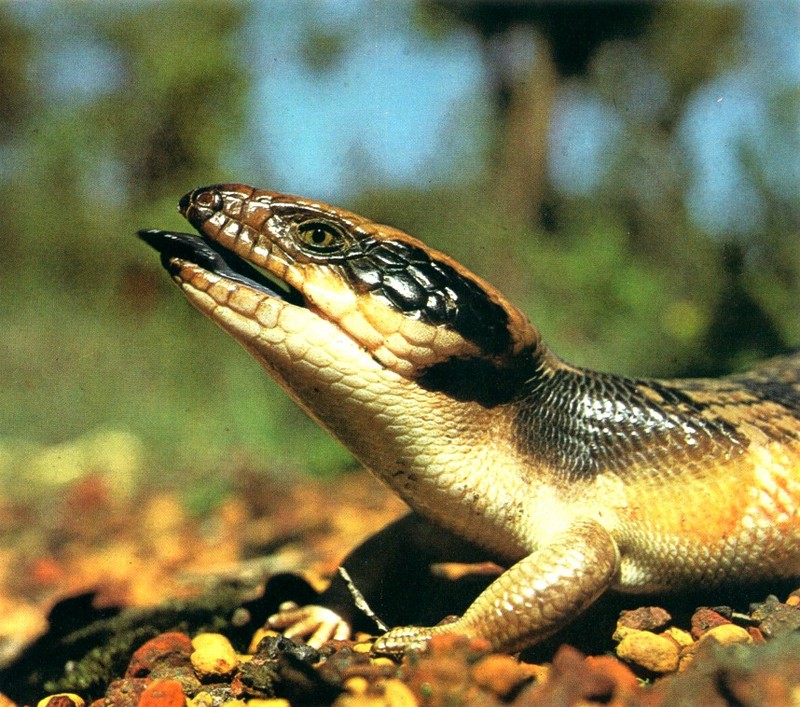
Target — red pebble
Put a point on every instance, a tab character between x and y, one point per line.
646	618
172	649
705	619
163	693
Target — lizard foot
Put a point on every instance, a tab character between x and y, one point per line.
316	624
401	639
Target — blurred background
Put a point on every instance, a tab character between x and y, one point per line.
628	173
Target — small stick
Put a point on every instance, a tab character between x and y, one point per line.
360	601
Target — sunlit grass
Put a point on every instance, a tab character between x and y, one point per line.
194	398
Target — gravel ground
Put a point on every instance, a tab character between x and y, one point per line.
117	600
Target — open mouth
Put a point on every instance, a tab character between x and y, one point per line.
212	257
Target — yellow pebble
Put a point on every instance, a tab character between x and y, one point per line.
362	648
77	701
213	655
356	685
621	631
681	637
384	660
398	694
348	700
727	635
655	653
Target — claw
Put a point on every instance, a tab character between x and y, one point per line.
316	624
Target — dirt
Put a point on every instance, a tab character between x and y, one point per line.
108	598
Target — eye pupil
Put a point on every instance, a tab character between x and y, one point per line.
321	237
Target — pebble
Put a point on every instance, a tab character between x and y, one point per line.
171	648
163	693
62	699
260	634
682	638
727	635
646	618
705	619
348	700
724	634
620	674
126	692
775	618
356	685
655	653
384	661
500	674
397	694
213	655
575	680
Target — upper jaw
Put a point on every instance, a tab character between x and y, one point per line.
175	246
209	209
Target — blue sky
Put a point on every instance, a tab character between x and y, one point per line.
391	109
402	109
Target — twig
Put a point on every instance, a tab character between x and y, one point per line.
359	600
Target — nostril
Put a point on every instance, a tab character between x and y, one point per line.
209	199
201	204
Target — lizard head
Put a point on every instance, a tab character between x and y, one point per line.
299	282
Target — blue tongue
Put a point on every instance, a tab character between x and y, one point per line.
212	257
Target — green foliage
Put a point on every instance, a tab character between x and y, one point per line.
95	336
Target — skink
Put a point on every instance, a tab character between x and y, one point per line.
579	481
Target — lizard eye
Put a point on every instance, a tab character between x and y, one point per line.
321	236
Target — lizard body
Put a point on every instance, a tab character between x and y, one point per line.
580	481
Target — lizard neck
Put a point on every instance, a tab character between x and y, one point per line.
582	423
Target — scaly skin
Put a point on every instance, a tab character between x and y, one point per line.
580	481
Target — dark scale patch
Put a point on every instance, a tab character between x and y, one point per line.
675	396
478	379
774	407
429	290
584	423
768	397
780	392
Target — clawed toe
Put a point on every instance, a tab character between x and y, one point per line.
316	624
